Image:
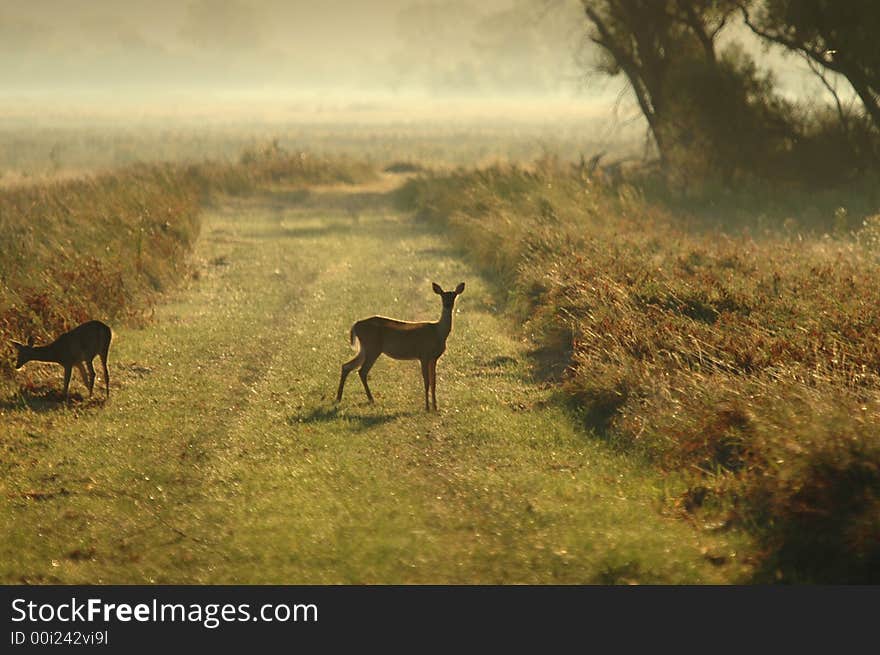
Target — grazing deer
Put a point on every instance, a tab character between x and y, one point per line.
423	341
73	348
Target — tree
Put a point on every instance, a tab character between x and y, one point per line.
703	108
647	39
837	36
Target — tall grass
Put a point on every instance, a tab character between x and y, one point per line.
748	360
103	246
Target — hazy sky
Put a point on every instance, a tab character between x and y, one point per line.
327	23
485	48
447	45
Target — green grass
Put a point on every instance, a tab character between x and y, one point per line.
221	458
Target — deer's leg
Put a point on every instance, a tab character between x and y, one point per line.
91	376
106	373
67	371
347	368
82	374
369	360
433	372
426	376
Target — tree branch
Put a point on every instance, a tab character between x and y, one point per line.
855	77
692	21
817	71
630	69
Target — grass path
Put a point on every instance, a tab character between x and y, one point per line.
222	459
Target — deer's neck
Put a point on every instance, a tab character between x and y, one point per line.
42	353
444	325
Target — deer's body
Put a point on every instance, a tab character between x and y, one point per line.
424	341
403	339
73	349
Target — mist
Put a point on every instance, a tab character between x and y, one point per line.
434	47
448	80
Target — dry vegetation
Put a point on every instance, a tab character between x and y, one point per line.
751	362
103	245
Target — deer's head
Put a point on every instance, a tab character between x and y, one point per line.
23	351
448	297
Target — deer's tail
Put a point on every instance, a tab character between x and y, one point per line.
352	337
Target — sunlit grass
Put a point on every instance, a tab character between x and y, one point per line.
221	458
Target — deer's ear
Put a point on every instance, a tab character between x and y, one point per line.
437	288
460	288
30	342
17	345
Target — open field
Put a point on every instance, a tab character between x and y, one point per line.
39	141
220	457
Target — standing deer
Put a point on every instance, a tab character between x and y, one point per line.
423	341
73	348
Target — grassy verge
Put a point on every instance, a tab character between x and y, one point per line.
103	246
748	363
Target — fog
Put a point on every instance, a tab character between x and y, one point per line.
448	80
381	46
336	48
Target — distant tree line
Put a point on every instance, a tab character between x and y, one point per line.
711	110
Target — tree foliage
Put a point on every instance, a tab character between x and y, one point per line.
709	111
713	112
838	36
